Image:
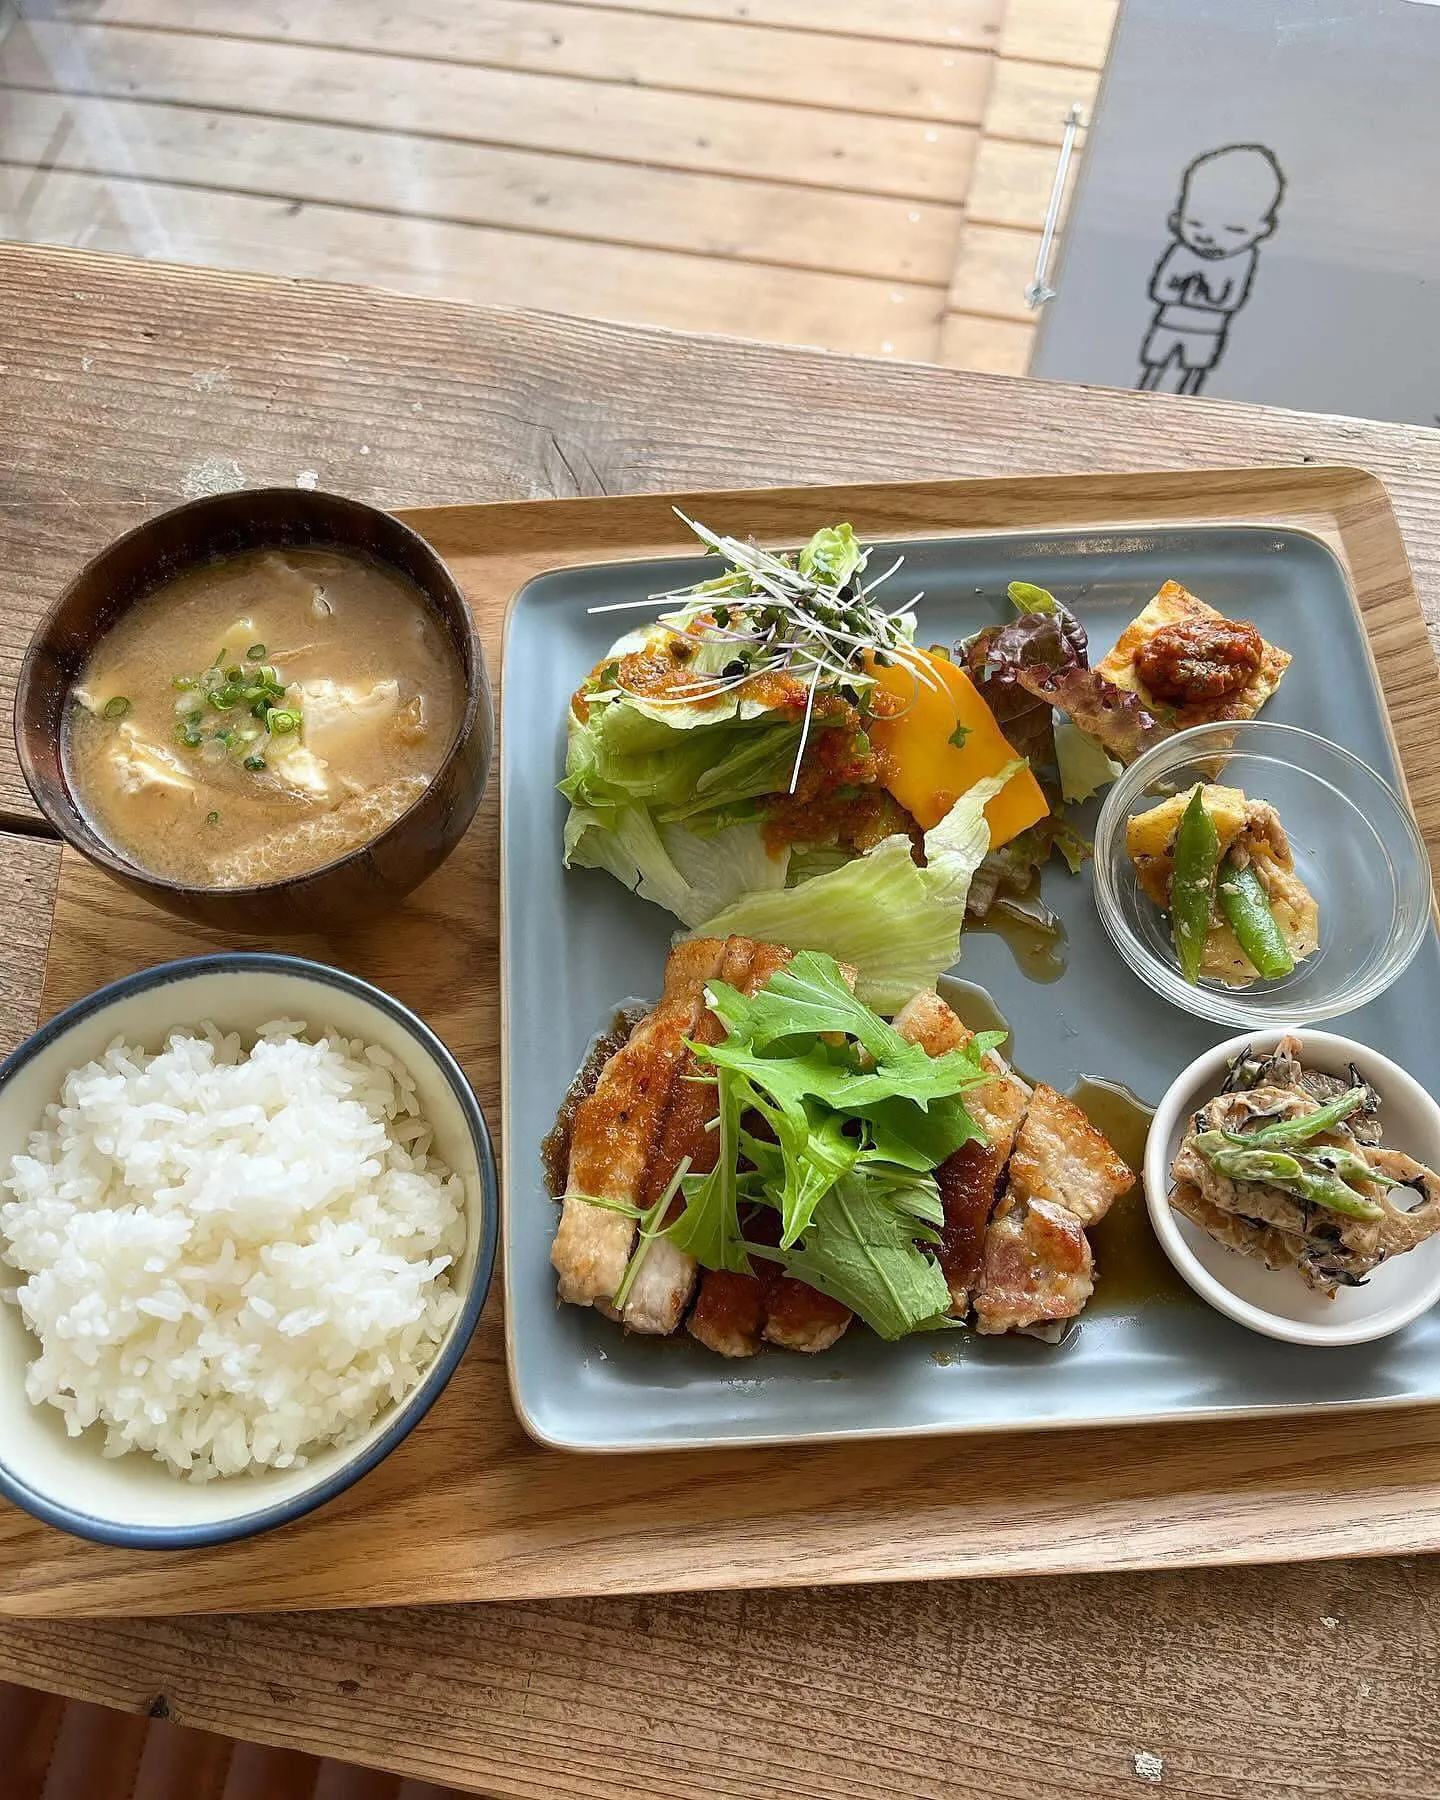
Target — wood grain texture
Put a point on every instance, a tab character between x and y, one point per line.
986	346
495	1516
428	255
1076	32
993	267
629	123
29	869
816	67
1029	1690
1029	101
129	387
444	181
1305	1683
973	24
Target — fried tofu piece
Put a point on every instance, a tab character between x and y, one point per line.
1059	1156
1175	605
1037	1267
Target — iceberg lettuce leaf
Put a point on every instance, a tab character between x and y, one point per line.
898	925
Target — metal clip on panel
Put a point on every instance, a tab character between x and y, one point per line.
1040	290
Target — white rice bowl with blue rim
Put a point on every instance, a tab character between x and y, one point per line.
232	1257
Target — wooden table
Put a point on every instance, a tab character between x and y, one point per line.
127	387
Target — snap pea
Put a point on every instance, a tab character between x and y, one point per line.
1195	861
1246	906
1287	1132
1277	1168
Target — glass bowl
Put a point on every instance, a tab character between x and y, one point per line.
1356	848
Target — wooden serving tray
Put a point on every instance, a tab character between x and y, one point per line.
469	1508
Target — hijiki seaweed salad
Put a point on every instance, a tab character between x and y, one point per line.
1286	1164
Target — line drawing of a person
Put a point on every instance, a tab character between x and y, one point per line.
1228	202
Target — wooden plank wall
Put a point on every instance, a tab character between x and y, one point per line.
1049	58
736	166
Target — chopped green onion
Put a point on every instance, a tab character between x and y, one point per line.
186	734
116	708
254	762
214	817
280	720
256	653
219	657
181	682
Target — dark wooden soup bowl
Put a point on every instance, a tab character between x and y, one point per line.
363	881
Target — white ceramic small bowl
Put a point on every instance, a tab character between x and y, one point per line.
134	1500
1278	1302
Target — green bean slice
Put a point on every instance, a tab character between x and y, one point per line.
1246	906
1196	860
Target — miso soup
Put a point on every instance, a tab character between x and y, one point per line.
261	715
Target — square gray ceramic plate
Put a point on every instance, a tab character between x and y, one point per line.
577	944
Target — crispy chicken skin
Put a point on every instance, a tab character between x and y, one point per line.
970	1179
735	1313
1061	1157
1021	1262
663	1287
617	1127
1037	1267
728	1317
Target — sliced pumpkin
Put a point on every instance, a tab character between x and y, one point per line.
943	743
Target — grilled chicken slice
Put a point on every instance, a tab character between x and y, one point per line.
734	1314
616	1130
968	1180
728	1317
1061	1157
666	1278
1037	1267
798	1317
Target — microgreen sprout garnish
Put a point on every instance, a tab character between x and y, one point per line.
810	616
116	708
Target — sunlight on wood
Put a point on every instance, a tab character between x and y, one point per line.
759	170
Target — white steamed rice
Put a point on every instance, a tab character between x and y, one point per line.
232	1257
